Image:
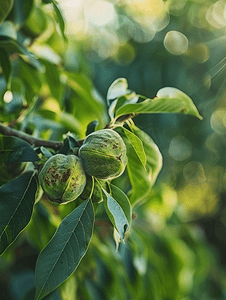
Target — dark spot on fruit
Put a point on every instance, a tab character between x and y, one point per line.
65	175
52	170
55	176
105	141
115	146
119	157
53	181
47	180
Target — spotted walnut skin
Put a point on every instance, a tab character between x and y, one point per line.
62	178
104	154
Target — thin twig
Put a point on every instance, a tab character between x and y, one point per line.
34	142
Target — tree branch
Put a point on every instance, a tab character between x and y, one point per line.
34	142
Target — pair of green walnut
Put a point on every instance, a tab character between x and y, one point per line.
103	155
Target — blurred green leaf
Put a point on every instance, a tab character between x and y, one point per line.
117	89
168	100
52	76
12	45
60	19
20	12
8	29
14	149
6	66
17	198
137	145
59	259
6	6
116	213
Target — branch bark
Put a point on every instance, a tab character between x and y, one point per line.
34	142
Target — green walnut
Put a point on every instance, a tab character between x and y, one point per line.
104	154
62	178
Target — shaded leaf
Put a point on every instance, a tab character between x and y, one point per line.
17	198
168	100
59	259
116	214
91	127
137	145
13	45
46	152
14	149
6	6
53	79
70	143
6	66
21	10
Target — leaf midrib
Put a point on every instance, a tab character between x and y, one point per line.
79	220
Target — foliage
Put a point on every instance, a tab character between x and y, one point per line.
133	241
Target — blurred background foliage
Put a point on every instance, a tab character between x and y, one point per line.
54	79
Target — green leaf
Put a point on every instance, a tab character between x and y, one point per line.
21	11
6	6
123	201
91	127
52	76
168	100
118	88
116	214
14	149
137	145
8	29
6	66
120	101
59	259
141	180
13	45
17	199
70	143
60	19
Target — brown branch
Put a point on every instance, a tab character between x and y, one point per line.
34	142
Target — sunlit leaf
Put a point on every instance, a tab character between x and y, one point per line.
168	100
17	198
116	89
137	145
60	19
120	101
59	259
141	179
